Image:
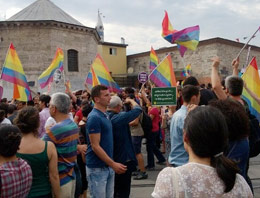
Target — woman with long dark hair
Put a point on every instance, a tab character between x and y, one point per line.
238	129
208	173
41	155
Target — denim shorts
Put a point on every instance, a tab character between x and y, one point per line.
137	143
101	182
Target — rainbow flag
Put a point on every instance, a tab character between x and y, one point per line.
99	74
154	60
252	80
163	75
13	72
57	63
186	71
187	38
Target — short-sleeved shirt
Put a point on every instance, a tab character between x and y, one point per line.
123	147
155	112
197	180
44	115
79	114
98	122
6	121
64	135
178	155
16	179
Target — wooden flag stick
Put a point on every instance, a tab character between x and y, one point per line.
247	42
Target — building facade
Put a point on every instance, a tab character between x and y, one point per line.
114	55
36	35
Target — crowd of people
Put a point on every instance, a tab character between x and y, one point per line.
65	144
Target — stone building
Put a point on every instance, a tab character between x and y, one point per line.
200	59
37	31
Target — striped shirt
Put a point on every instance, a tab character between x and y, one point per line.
16	179
64	135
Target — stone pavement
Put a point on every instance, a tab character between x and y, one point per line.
144	188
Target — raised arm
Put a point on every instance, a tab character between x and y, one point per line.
135	121
68	91
215	79
235	65
252	94
86	86
145	99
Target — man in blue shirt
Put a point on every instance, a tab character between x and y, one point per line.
178	156
123	148
101	167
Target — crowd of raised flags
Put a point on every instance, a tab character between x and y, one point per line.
161	73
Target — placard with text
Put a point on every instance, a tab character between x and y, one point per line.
164	96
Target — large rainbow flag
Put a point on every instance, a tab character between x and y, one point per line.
163	75
99	75
13	72
252	80
57	63
187	38
154	60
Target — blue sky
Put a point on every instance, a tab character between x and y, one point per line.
139	21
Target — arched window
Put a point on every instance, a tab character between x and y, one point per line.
73	60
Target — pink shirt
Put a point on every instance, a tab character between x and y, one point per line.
155	112
44	115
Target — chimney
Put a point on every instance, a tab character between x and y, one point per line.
122	40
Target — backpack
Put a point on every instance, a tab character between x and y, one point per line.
254	136
146	123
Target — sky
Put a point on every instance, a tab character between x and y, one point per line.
139	21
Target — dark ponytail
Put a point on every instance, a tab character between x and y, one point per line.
207	134
226	170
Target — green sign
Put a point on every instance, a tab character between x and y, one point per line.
164	96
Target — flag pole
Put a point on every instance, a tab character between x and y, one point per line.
247	57
247	42
4	62
183	62
64	77
1	80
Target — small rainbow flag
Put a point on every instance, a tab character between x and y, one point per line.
99	75
163	75
13	72
252	80
91	79
154	60
187	38
186	71
57	63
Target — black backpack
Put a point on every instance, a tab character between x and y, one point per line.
146	123
254	136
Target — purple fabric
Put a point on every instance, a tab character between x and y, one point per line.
44	115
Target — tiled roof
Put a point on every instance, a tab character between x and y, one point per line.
42	10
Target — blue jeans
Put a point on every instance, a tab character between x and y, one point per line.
101	182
